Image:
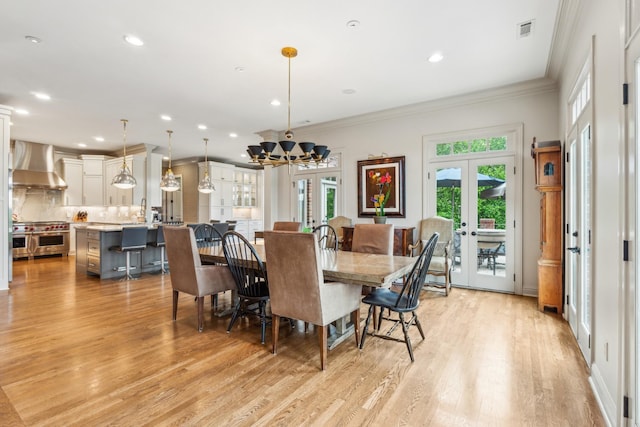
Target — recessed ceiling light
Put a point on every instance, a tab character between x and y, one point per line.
354	23
33	39
42	96
240	69
243	155
165	118
98	138
349	91
165	157
133	40
436	57
202	127
82	144
21	111
275	102
233	135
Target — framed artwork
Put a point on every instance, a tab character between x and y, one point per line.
369	173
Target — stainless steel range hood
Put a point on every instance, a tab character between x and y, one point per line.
34	166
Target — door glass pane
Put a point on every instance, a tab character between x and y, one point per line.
573	221
305	202
491	219
448	198
328	191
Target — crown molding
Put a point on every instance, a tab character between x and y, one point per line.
528	88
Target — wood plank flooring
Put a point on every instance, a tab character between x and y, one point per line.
77	351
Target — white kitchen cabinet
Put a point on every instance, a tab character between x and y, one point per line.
218	204
245	188
72	172
93	180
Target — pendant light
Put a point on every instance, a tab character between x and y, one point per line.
169	182
124	179
206	186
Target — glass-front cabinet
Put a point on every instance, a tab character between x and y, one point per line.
245	188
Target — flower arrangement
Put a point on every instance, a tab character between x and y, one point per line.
383	182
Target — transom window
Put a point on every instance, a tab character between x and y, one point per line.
581	98
477	145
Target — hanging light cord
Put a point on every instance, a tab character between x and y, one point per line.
206	140
124	141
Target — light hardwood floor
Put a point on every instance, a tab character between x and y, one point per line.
79	351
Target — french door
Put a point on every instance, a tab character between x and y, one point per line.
578	235
315	197
479	195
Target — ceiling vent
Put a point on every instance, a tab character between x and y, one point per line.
525	29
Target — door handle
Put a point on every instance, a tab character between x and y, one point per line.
575	250
473	233
464	233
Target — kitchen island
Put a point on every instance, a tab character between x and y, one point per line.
93	256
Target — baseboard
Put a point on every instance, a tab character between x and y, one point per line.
603	397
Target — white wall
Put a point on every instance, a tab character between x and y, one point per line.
399	132
603	21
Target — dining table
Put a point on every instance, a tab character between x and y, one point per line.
357	268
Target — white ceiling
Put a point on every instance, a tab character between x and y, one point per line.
187	67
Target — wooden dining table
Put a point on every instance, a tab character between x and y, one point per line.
339	266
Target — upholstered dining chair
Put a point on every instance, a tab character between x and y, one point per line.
337	223
327	237
373	239
188	275
301	293
286	226
404	302
250	277
442	260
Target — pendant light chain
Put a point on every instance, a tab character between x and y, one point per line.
169	132
124	137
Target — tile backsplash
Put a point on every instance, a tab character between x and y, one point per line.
47	205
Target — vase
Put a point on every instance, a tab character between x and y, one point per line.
379	219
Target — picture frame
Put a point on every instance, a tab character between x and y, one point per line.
395	166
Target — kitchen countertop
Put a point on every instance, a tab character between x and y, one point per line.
114	227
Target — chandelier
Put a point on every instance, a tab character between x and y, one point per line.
169	181
263	154
124	179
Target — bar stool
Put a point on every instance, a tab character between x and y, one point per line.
134	239
160	243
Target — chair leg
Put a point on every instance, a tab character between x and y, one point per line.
200	314
366	327
175	304
324	346
275	326
415	317
234	316
355	319
405	329
263	321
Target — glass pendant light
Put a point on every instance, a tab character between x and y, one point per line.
206	186
169	182
124	179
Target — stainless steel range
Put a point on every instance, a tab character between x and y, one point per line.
31	239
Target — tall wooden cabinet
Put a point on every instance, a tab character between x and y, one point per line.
548	169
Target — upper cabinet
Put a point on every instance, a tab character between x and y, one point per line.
218	204
245	188
72	172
